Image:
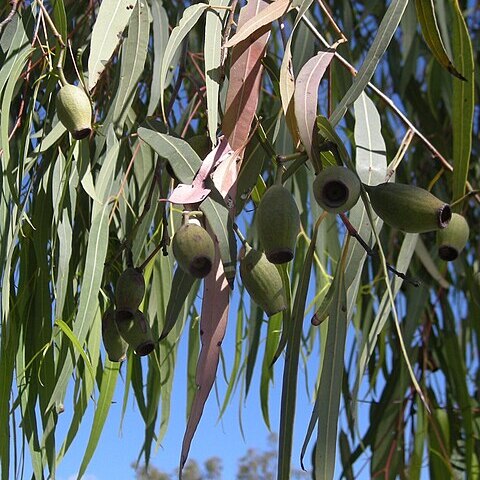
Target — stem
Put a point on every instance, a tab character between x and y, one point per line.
150	257
15	4
353	232
239	234
59	38
327	13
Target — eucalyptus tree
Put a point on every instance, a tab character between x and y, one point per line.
121	120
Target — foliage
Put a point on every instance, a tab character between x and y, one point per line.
166	80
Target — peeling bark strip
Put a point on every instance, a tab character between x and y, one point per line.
213	323
245	78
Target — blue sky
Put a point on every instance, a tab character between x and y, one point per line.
117	451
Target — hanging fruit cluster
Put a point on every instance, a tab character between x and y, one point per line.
126	325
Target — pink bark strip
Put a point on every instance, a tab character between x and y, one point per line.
197	192
213	323
245	78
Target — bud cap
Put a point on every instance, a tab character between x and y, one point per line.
74	111
135	330
130	290
452	239
278	224
194	250
262	281
409	208
114	344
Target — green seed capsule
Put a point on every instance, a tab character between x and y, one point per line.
278	224
262	281
452	239
336	189
74	111
194	250
114	344
409	208
135	330
130	290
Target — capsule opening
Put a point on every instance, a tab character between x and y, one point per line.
283	255
447	253
200	266
82	133
335	193
445	215
124	316
145	348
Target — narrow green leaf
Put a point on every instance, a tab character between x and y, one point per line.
431	34
160	40
213	56
290	372
232	381
182	284
113	17
271	343
387	29
107	389
328	396
134	54
189	19
193	351
60	18
76	344
463	101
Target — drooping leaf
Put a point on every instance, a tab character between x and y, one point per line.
107	33
160	40
107	389
306	99
386	30
287	80
189	19
463	102
328	396
290	372
431	34
214	20
134	54
182	283
265	17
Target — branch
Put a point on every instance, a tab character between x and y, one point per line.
15	4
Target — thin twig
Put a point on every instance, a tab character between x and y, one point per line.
328	14
400	154
370	252
15	4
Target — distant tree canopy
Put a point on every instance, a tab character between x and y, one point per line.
254	465
169	167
